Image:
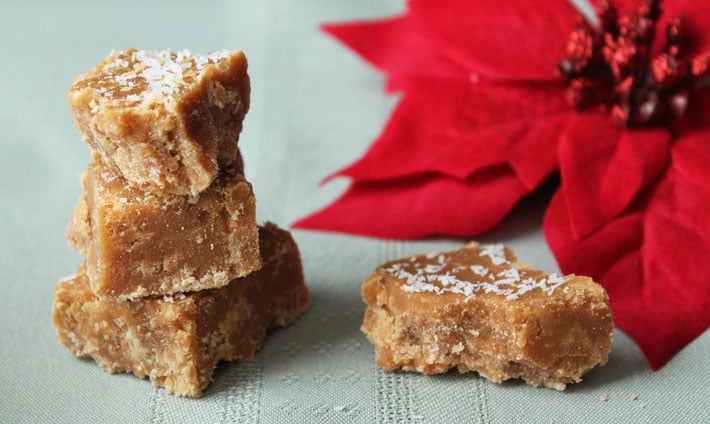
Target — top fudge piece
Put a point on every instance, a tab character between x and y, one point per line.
477	309
168	121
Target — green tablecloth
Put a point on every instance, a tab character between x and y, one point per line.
315	108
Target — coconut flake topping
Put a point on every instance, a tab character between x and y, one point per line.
447	273
144	76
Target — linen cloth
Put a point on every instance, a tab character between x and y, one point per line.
315	107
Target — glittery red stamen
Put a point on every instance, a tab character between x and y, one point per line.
612	65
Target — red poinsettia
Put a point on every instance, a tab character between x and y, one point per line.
497	97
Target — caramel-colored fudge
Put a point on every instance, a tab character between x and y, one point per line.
167	121
139	244
477	309
177	341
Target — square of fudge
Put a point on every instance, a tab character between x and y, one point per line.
167	121
140	244
478	309
177	340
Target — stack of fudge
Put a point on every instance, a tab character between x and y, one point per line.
178	275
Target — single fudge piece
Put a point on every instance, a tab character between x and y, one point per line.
477	309
79	229
167	121
177	341
140	244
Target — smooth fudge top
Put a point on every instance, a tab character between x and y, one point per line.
475	271
167	121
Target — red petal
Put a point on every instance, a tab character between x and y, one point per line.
603	168
595	254
422	206
623	6
653	262
456	127
505	40
691	158
394	46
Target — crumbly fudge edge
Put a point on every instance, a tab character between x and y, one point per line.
282	308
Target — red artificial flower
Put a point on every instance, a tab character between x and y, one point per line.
485	118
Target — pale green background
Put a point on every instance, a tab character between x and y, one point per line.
315	108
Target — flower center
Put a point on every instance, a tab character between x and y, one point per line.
612	65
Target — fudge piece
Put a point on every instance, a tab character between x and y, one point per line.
167	121
139	244
477	309
177	341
